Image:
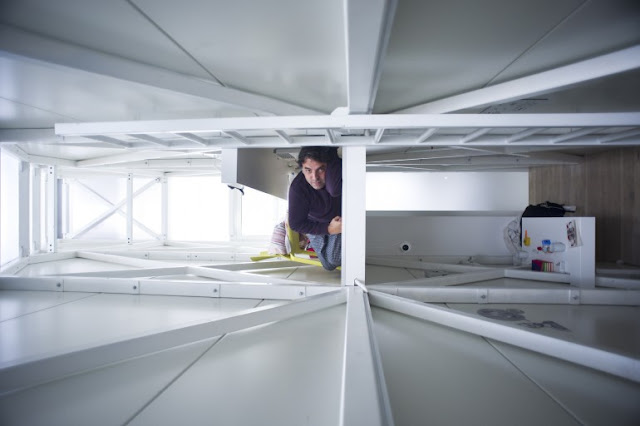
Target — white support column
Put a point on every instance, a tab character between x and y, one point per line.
23	208
36	224
164	215
235	214
365	400
64	208
1	154
353	214
52	210
130	208
367	30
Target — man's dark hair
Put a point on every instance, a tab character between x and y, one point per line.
321	154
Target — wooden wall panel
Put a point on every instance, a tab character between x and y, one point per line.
631	206
606	185
559	184
604	201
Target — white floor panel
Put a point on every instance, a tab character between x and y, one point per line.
16	303
284	373
316	274
105	317
594	397
612	328
107	396
380	274
436	375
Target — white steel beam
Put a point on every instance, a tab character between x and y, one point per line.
284	136
618	282
152	139
115	208
193	138
164	208
17	375
354	215
475	135
24	209
416	264
365	400
36	218
238	137
127	157
522	135
455	279
426	135
132	273
233	276
19	42
109	140
612	363
482	160
367	31
352	122
536	84
378	136
620	135
119	211
330	136
551	296
120	260
130	208
576	134
51	208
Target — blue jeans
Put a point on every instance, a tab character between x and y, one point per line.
328	248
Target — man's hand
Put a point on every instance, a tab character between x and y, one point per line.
335	227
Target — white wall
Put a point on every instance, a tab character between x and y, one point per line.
9	214
441	191
438	234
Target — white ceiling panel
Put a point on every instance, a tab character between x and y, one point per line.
617	93
114	27
60	94
441	48
15	114
597	27
68	152
287	49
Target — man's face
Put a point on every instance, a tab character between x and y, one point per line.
314	173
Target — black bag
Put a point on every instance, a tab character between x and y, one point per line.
546	209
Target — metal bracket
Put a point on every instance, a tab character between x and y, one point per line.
483	295
574	297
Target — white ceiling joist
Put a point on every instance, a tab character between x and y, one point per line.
127	157
426	135
194	138
152	139
367	30
284	136
352	122
536	84
109	140
478	160
14	41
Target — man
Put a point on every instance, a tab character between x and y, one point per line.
315	202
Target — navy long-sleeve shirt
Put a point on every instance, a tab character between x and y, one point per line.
311	210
